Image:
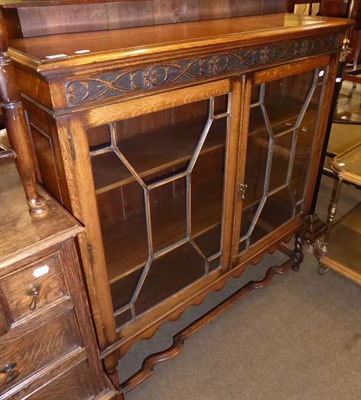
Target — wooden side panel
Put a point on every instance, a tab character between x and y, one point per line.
38	21
49	161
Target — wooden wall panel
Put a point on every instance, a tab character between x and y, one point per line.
38	21
33	25
210	9
246	7
273	6
126	15
73	18
172	11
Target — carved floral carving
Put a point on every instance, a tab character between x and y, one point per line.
118	83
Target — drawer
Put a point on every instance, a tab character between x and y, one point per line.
74	384
28	353
31	288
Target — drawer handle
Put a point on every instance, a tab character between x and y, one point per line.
33	292
10	371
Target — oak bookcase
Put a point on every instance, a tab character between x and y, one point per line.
186	150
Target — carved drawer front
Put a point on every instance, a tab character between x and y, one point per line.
74	384
23	354
31	288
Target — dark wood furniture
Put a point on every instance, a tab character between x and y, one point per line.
339	248
188	150
47	343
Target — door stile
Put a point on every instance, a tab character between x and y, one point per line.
241	166
231	170
74	146
324	112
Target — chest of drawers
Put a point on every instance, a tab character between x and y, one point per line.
47	344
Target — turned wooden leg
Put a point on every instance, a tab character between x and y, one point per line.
332	209
297	254
321	247
18	130
110	364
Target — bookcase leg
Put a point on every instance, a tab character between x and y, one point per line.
297	254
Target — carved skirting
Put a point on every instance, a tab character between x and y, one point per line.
118	83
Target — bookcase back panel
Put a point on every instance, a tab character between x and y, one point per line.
41	21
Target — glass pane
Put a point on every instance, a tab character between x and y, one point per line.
277	210
256	167
215	264
123	317
159	182
162	139
123	221
248	217
280	160
282	127
304	146
168	214
220	104
169	274
206	183
122	290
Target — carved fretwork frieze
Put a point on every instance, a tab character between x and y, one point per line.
118	83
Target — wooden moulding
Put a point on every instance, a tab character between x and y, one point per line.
124	63
121	83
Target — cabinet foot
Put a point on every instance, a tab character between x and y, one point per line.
315	228
297	254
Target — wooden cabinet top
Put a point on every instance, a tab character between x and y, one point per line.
73	50
21	235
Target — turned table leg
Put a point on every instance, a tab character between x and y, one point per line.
322	246
17	129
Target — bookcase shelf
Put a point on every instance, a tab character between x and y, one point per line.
133	253
153	152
